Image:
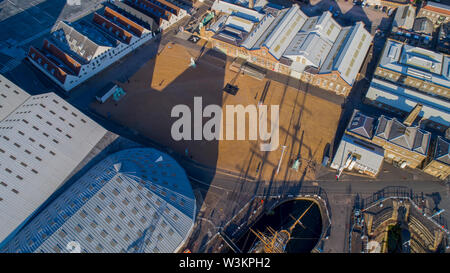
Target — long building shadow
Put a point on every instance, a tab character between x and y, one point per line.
348	18
355	14
31	20
149	103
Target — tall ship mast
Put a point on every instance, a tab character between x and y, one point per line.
273	241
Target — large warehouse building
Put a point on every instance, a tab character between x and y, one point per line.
314	49
415	68
74	52
42	141
135	200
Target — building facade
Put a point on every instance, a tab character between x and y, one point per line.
403	145
404	17
438	164
387	3
443	41
358	155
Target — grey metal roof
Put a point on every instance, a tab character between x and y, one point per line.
423	25
258	31
442	152
327	65
353	53
404	17
230	8
361	124
422	58
136	200
230	35
239	23
446	67
327	27
47	140
310	24
411	138
285	31
218	24
11	97
327	46
382	127
279	16
312	47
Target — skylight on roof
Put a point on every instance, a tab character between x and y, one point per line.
393	51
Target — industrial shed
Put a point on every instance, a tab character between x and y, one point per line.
136	200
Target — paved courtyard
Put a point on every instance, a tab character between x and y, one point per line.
307	123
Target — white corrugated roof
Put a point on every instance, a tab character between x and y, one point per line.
312	47
214	27
11	97
327	27
353	53
258	31
285	31
45	141
136	200
335	50
416	62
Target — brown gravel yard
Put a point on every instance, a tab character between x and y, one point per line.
307	123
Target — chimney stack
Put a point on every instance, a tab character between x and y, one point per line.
413	115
